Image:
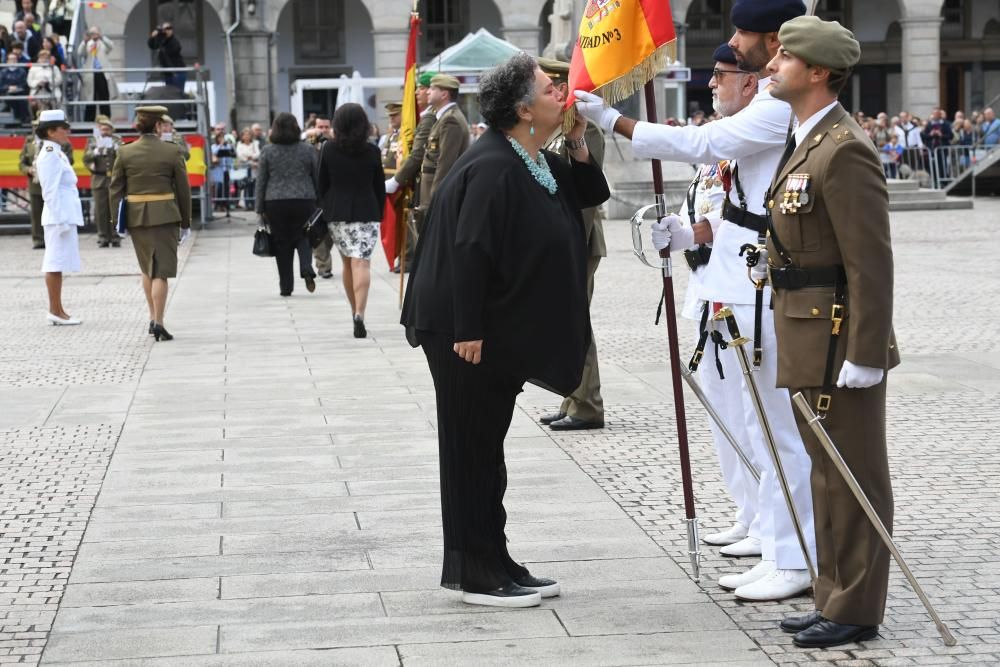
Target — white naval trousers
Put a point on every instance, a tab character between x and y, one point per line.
778	539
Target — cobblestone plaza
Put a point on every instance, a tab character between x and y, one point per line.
263	489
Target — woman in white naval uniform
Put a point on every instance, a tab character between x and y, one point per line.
63	212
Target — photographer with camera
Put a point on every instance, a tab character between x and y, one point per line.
93	54
168	54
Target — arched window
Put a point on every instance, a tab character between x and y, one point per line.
835	10
954	24
185	16
543	22
319	31
446	22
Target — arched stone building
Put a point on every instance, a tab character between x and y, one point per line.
917	53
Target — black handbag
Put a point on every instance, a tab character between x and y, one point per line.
263	246
316	228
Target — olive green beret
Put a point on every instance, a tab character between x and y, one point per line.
425	79
393	108
446	81
554	68
819	42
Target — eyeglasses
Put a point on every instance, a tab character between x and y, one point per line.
717	73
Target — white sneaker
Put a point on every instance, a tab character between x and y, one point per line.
730	536
778	585
748	546
733	581
59	321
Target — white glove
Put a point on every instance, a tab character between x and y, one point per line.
671	232
759	272
391	185
185	233
592	107
853	376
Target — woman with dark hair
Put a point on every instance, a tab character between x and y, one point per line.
352	193
286	197
504	233
150	175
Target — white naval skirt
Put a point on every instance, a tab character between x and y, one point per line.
62	251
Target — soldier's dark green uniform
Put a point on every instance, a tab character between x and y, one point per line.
449	138
99	161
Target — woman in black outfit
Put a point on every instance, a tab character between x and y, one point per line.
503	234
286	197
352	193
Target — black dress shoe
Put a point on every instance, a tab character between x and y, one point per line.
547	588
311	283
508	595
554	417
799	623
359	327
573	424
827	633
103	244
116	244
152	327
38	246
159	333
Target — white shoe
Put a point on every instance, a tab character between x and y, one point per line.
748	546
733	581
778	585
59	321
726	537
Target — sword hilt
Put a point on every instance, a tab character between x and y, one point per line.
726	315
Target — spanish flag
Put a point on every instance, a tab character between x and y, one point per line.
622	45
393	218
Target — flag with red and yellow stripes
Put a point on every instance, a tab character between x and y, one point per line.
622	44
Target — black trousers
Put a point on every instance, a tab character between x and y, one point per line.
287	220
475	405
100	93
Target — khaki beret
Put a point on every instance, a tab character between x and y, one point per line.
103	120
554	68
153	110
446	81
166	119
393	108
818	42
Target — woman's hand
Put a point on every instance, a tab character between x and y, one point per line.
579	126
470	350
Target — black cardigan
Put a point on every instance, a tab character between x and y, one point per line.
351	185
502	260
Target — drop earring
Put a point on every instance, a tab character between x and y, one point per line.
532	130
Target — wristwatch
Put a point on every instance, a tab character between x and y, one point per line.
576	144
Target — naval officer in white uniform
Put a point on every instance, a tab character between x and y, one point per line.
755	138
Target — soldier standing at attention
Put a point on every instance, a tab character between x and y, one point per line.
409	172
99	157
26	165
831	271
584	408
389	144
151	175
449	137
166	132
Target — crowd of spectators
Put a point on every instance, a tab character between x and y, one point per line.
33	57
234	162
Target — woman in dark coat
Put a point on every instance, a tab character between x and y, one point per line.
286	197
352	193
503	234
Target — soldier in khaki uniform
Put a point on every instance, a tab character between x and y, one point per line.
449	137
389	144
152	175
166	132
99	160
409	172
26	165
831	272
584	408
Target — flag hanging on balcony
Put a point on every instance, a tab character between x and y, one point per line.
622	44
393	219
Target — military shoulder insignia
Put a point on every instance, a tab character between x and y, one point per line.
48	148
796	193
841	137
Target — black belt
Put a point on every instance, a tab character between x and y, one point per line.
698	257
428	170
744	218
795	278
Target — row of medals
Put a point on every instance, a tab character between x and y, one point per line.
796	193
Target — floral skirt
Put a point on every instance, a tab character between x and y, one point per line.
356	239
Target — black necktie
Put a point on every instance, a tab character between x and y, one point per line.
789	149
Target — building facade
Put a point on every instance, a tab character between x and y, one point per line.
917	54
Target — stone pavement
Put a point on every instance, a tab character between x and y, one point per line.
263	489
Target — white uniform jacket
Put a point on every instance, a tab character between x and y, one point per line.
59	191
755	138
706	196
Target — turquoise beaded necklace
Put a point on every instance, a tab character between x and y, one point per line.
539	168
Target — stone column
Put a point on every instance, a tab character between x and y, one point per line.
390	59
921	60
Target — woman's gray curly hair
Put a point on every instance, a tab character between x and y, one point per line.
505	88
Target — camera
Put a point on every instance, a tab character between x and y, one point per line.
226	150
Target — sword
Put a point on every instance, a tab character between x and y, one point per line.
852	483
765	426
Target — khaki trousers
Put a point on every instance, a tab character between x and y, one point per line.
106	231
36	205
321	253
586	402
853	562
